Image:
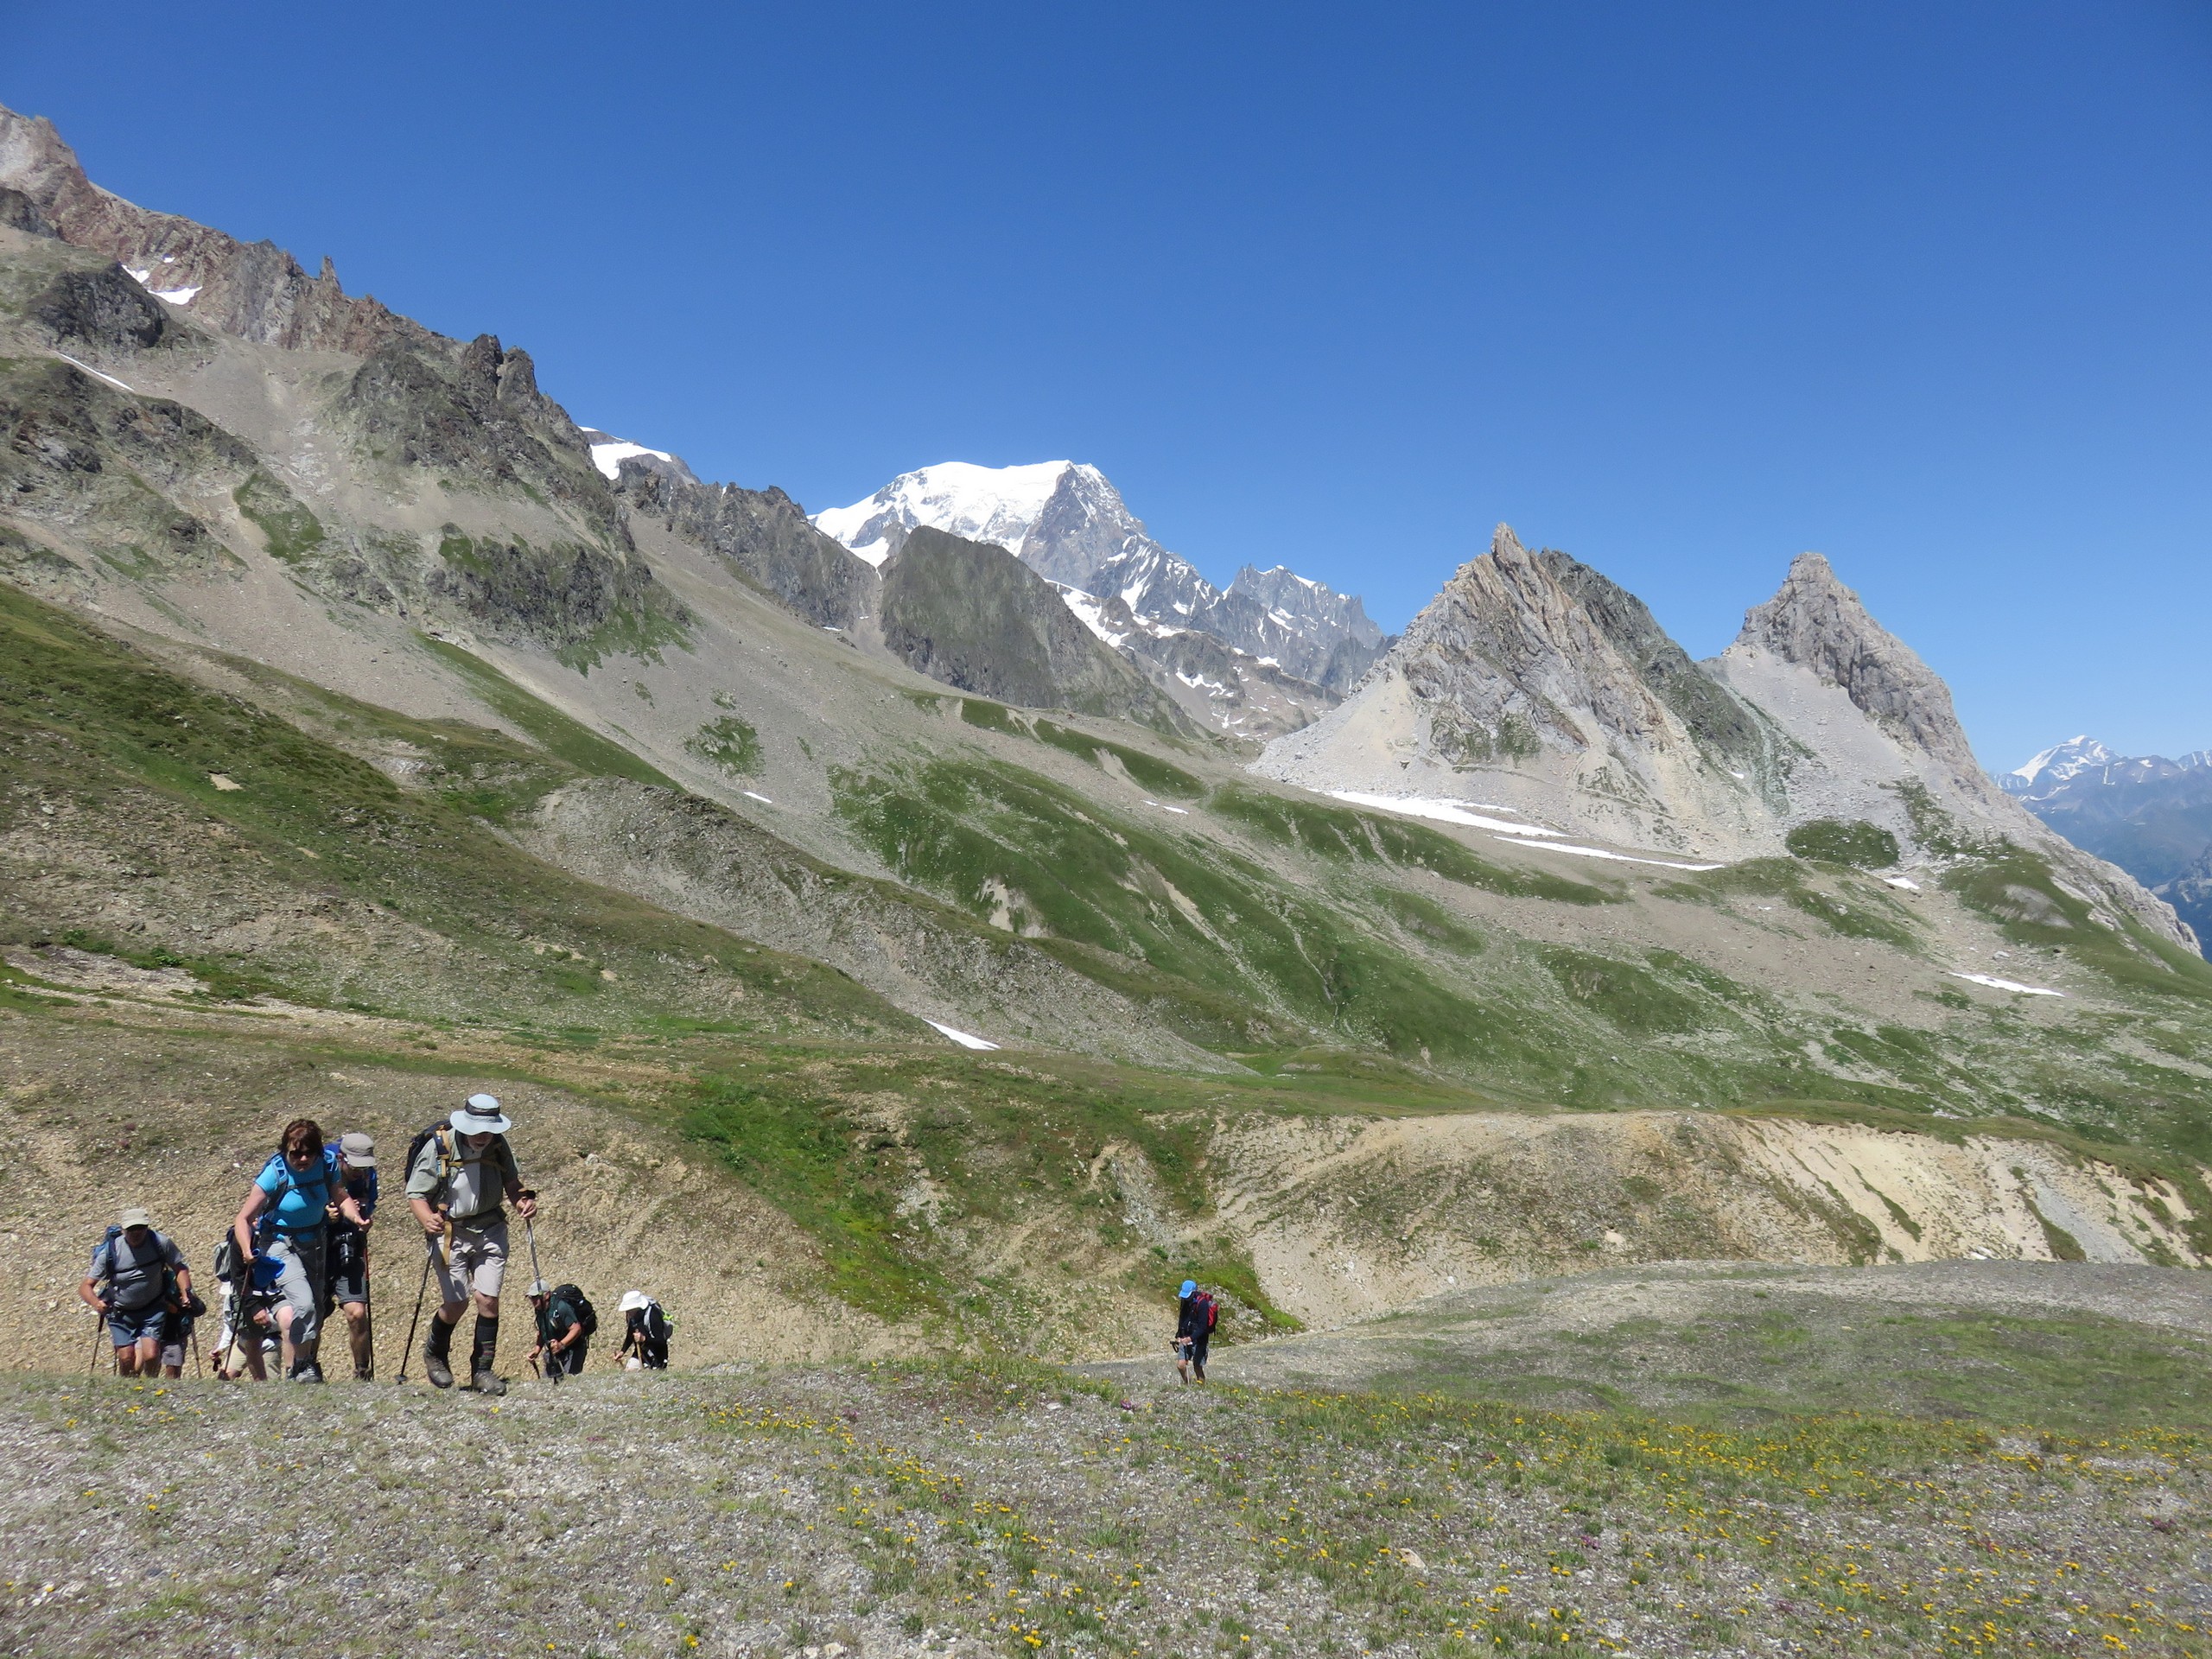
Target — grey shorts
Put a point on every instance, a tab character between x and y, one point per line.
479	1263
128	1327
299	1282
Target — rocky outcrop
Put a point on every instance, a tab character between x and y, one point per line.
19	213
103	309
763	536
1817	623
972	616
254	290
1539	685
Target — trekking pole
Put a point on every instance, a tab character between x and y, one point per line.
197	1371
369	1306
538	1276
421	1292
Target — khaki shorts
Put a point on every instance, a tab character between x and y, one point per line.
478	1262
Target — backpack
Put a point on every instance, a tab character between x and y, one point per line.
331	1184
587	1316
1209	1310
654	1325
448	1159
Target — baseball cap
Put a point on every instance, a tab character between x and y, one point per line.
1189	1285
134	1217
358	1150
539	1287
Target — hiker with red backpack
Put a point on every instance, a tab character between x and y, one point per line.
460	1175
1196	1316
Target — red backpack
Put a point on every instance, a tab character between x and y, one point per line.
1210	1309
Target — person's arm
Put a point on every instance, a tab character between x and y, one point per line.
241	1230
423	1180
183	1273
524	1203
88	1292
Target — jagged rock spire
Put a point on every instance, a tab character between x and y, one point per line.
1817	622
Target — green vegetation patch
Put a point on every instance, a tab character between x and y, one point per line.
1345	834
729	743
566	739
1832	840
1147	771
1629	997
1862	913
290	529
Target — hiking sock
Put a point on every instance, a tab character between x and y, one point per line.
481	1377
437	1354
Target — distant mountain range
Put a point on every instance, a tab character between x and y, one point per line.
1293	646
2150	816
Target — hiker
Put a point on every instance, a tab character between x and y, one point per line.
297	1188
1195	1317
246	1298
348	1286
457	1179
644	1333
184	1310
137	1274
565	1326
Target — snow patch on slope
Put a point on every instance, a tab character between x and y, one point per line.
1419	806
981	504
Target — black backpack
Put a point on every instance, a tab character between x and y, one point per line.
653	1325
442	1127
587	1316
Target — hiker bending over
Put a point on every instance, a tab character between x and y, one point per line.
348	1284
456	1183
1194	1321
565	1324
137	1278
298	1187
644	1332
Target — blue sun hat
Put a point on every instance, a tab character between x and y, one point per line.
1189	1285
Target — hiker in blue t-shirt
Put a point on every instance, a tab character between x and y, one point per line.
297	1188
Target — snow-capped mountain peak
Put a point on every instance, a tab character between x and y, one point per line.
2055	765
980	504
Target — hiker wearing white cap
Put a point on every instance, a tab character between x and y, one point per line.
644	1332
459	1177
348	1286
137	1276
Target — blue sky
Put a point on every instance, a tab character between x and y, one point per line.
1680	289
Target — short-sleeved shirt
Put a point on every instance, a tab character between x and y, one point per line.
361	1184
476	1188
301	1195
135	1273
560	1319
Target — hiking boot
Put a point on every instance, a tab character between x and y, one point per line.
363	1374
437	1354
306	1371
486	1346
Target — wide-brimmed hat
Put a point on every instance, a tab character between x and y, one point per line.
633	1301
358	1151
134	1217
481	1115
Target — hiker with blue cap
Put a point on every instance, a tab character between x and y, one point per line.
461	1175
1194	1321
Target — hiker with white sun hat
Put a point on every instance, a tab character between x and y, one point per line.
461	1175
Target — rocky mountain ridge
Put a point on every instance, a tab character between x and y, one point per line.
1537	685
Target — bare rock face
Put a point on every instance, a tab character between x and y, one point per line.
971	616
1534	682
19	213
254	290
763	536
1819	624
103	309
